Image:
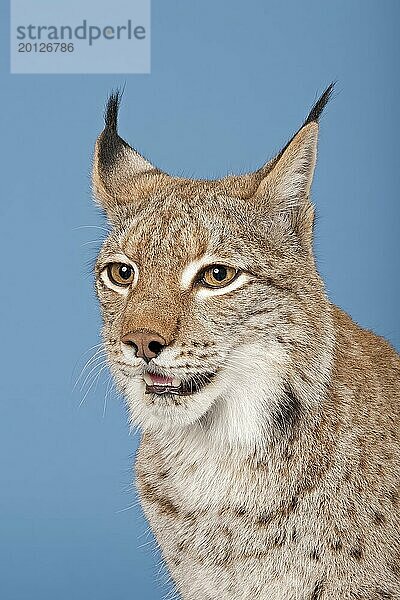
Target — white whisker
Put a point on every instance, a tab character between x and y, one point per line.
145	544
95	378
99	356
130	507
91	227
92	242
108	390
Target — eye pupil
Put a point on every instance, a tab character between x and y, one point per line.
219	273
125	272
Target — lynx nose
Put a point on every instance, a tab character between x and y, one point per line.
147	344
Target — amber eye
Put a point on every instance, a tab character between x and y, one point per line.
120	274
217	276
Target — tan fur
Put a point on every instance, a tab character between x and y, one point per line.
278	480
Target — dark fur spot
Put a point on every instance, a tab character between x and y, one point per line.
166	506
351	510
181	546
356	552
280	538
240	511
185	353
314	554
347	476
394	497
193	516
362	463
287	414
317	591
290	507
265	519
260	311
337	545
146	491
384	594
394	564
379	518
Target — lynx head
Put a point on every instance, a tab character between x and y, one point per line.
212	306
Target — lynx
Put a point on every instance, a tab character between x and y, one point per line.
269	462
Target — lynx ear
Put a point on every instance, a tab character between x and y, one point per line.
117	168
287	183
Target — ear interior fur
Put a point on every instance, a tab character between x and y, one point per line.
288	177
286	188
290	180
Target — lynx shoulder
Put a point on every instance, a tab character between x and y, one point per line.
269	462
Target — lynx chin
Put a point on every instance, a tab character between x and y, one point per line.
269	462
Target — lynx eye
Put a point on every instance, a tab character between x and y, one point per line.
217	276
120	273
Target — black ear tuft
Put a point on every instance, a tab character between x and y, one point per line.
313	117
116	163
320	104
110	145
111	112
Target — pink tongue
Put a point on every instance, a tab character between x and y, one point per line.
160	380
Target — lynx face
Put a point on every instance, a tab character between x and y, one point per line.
206	286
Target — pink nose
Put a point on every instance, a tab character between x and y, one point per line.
148	344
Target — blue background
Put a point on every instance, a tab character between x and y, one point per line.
230	83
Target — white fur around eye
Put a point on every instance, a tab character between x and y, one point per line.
119	258
206	292
194	268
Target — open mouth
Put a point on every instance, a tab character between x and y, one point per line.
158	384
